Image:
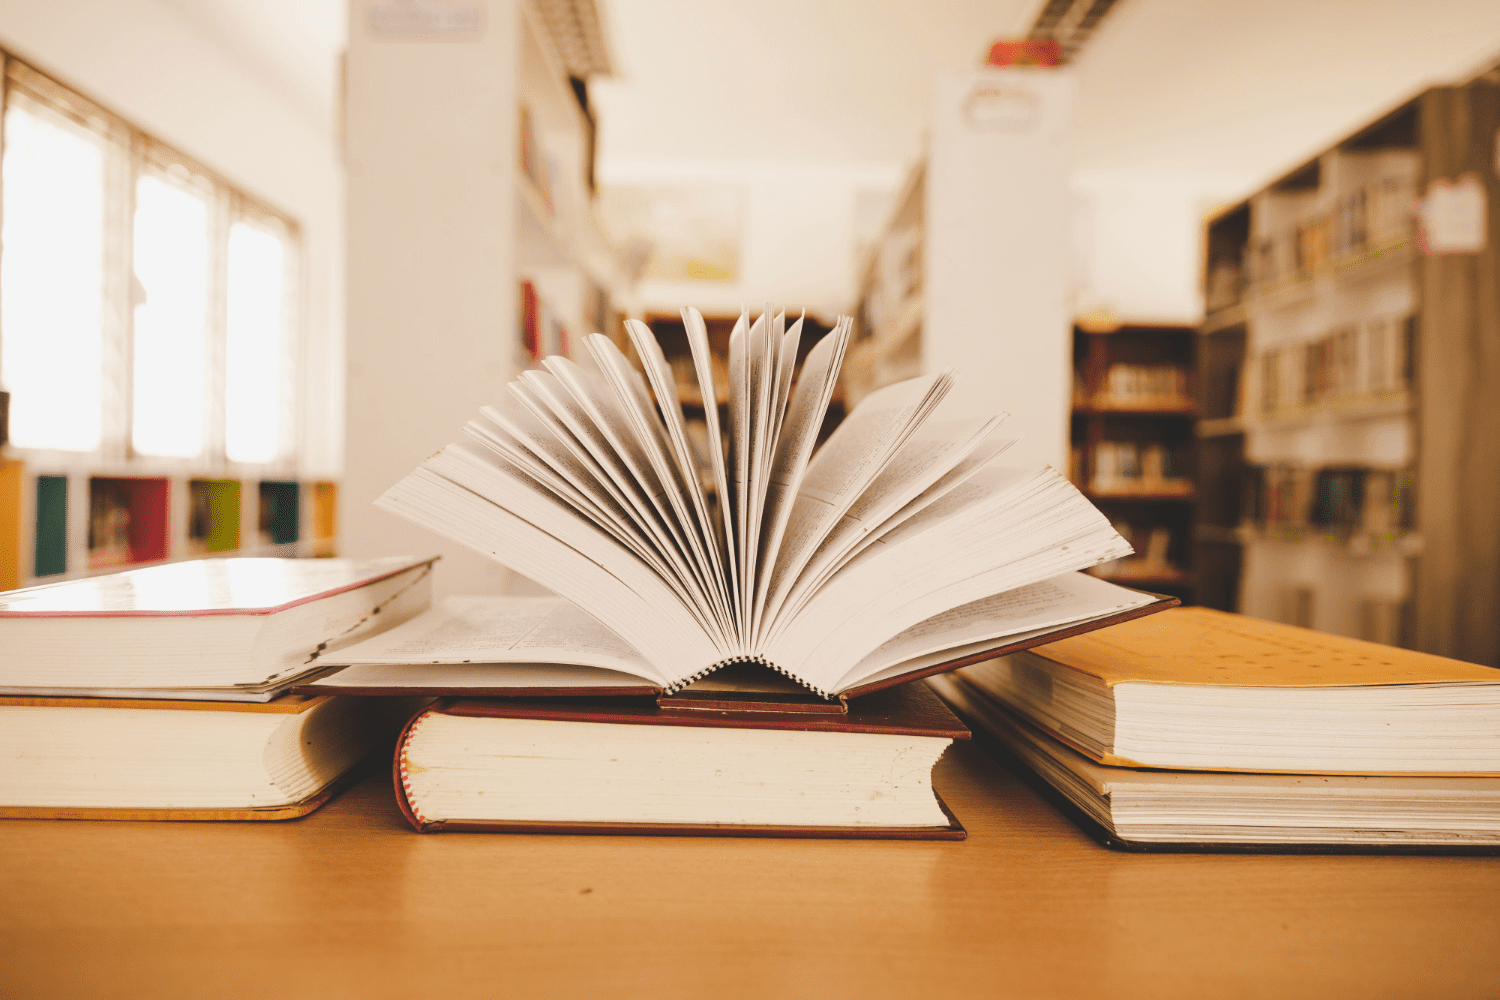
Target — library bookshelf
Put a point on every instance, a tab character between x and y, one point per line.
1347	474
64	515
1131	444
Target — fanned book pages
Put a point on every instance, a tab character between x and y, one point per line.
902	544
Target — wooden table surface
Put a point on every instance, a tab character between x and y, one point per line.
351	902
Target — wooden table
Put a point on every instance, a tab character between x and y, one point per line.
351	902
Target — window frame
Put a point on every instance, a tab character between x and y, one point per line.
131	153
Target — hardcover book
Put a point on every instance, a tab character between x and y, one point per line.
220	629
631	766
1199	689
1161	810
111	758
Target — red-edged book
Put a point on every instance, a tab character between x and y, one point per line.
207	629
632	766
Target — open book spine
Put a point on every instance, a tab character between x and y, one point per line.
999	647
749	658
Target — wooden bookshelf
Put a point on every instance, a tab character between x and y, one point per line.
1347	474
1132	443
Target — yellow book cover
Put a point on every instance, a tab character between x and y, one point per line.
1207	647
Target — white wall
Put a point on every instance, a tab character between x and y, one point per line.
176	82
798	246
1138	241
431	150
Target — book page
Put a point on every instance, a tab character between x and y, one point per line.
846	465
804	419
1038	607
561	516
576	488
500	630
581	413
544	519
556	441
590	569
604	408
927	457
679	478
459	678
697	334
786	363
1004	529
763	342
739	455
709	541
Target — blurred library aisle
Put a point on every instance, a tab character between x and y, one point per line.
298	243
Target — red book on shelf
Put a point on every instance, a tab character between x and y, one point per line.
530	335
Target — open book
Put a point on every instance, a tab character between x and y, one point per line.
901	544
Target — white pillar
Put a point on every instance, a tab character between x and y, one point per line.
431	154
996	251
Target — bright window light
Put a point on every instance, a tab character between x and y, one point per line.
255	379
52	283
171	264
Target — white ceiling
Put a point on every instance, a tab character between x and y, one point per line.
785	80
1253	87
291	46
1228	87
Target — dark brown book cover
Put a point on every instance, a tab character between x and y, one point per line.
913	710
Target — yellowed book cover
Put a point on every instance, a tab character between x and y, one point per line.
1207	647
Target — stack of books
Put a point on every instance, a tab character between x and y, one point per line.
1202	730
727	653
164	692
730	657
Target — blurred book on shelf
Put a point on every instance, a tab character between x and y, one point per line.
542	332
1368	213
1133	468
1144	387
1356	362
1150	563
1343	503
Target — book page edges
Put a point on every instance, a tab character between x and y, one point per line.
292	810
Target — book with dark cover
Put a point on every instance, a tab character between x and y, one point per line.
628	766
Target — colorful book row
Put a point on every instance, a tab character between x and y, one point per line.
129	522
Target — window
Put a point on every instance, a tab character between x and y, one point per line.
147	307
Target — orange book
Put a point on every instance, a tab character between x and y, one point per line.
1200	689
